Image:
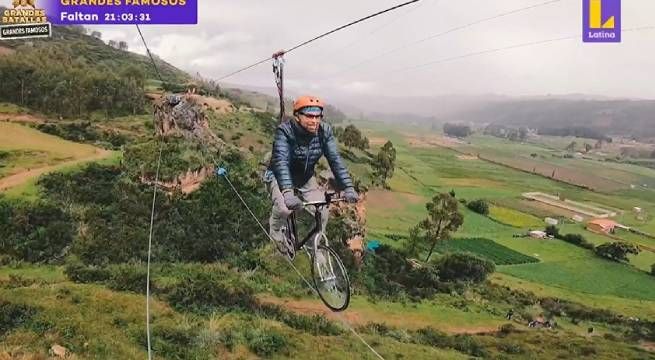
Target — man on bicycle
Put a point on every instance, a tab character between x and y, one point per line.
297	147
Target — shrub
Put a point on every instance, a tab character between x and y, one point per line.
78	272
265	342
552	230
176	342
616	251
315	325
201	292
463	343
128	277
387	273
464	267
510	348
652	269
578	240
14	315
457	130
551	306
34	232
506	329
479	206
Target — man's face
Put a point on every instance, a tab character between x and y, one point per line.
310	122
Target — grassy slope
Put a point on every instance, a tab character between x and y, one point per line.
51	150
54	154
97	53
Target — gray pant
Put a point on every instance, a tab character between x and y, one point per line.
279	213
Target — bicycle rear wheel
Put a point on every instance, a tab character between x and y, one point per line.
330	278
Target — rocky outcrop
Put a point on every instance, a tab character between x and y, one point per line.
187	182
183	115
354	215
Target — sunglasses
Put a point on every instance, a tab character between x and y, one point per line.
311	116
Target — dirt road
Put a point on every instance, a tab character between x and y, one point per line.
23	176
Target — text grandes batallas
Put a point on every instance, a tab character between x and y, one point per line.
123	2
22	16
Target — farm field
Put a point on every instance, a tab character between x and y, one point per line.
26	153
486	248
545	157
514	218
426	169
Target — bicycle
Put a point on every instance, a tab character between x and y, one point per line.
328	272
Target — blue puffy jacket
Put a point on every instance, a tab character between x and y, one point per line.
296	151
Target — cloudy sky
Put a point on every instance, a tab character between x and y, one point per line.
231	34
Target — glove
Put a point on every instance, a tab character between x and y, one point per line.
291	201
351	195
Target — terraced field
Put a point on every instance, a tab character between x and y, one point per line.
488	249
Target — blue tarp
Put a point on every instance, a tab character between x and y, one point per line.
372	245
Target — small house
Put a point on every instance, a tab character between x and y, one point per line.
551	221
602	226
537	234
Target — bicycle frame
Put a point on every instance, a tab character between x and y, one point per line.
318	225
318	221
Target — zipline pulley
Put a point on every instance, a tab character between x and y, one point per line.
278	70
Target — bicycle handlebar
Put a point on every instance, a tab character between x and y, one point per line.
328	200
318	203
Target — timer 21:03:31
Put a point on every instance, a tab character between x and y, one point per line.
127	17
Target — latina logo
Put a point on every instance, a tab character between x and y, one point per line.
601	20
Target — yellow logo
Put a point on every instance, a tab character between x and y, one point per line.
18	3
18	15
596	16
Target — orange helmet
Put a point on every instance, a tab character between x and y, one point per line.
307	100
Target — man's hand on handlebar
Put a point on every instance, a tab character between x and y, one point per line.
291	201
351	195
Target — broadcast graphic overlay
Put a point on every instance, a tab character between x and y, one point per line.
25	20
601	20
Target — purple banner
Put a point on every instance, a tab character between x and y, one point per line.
121	12
601	20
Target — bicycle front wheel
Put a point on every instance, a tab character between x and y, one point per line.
330	278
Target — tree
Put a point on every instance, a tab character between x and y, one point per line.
652	269
352	137
578	240
571	146
457	130
652	155
523	133
122	45
479	206
464	267
112	43
587	147
334	115
552	230
617	251
96	34
384	164
443	218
